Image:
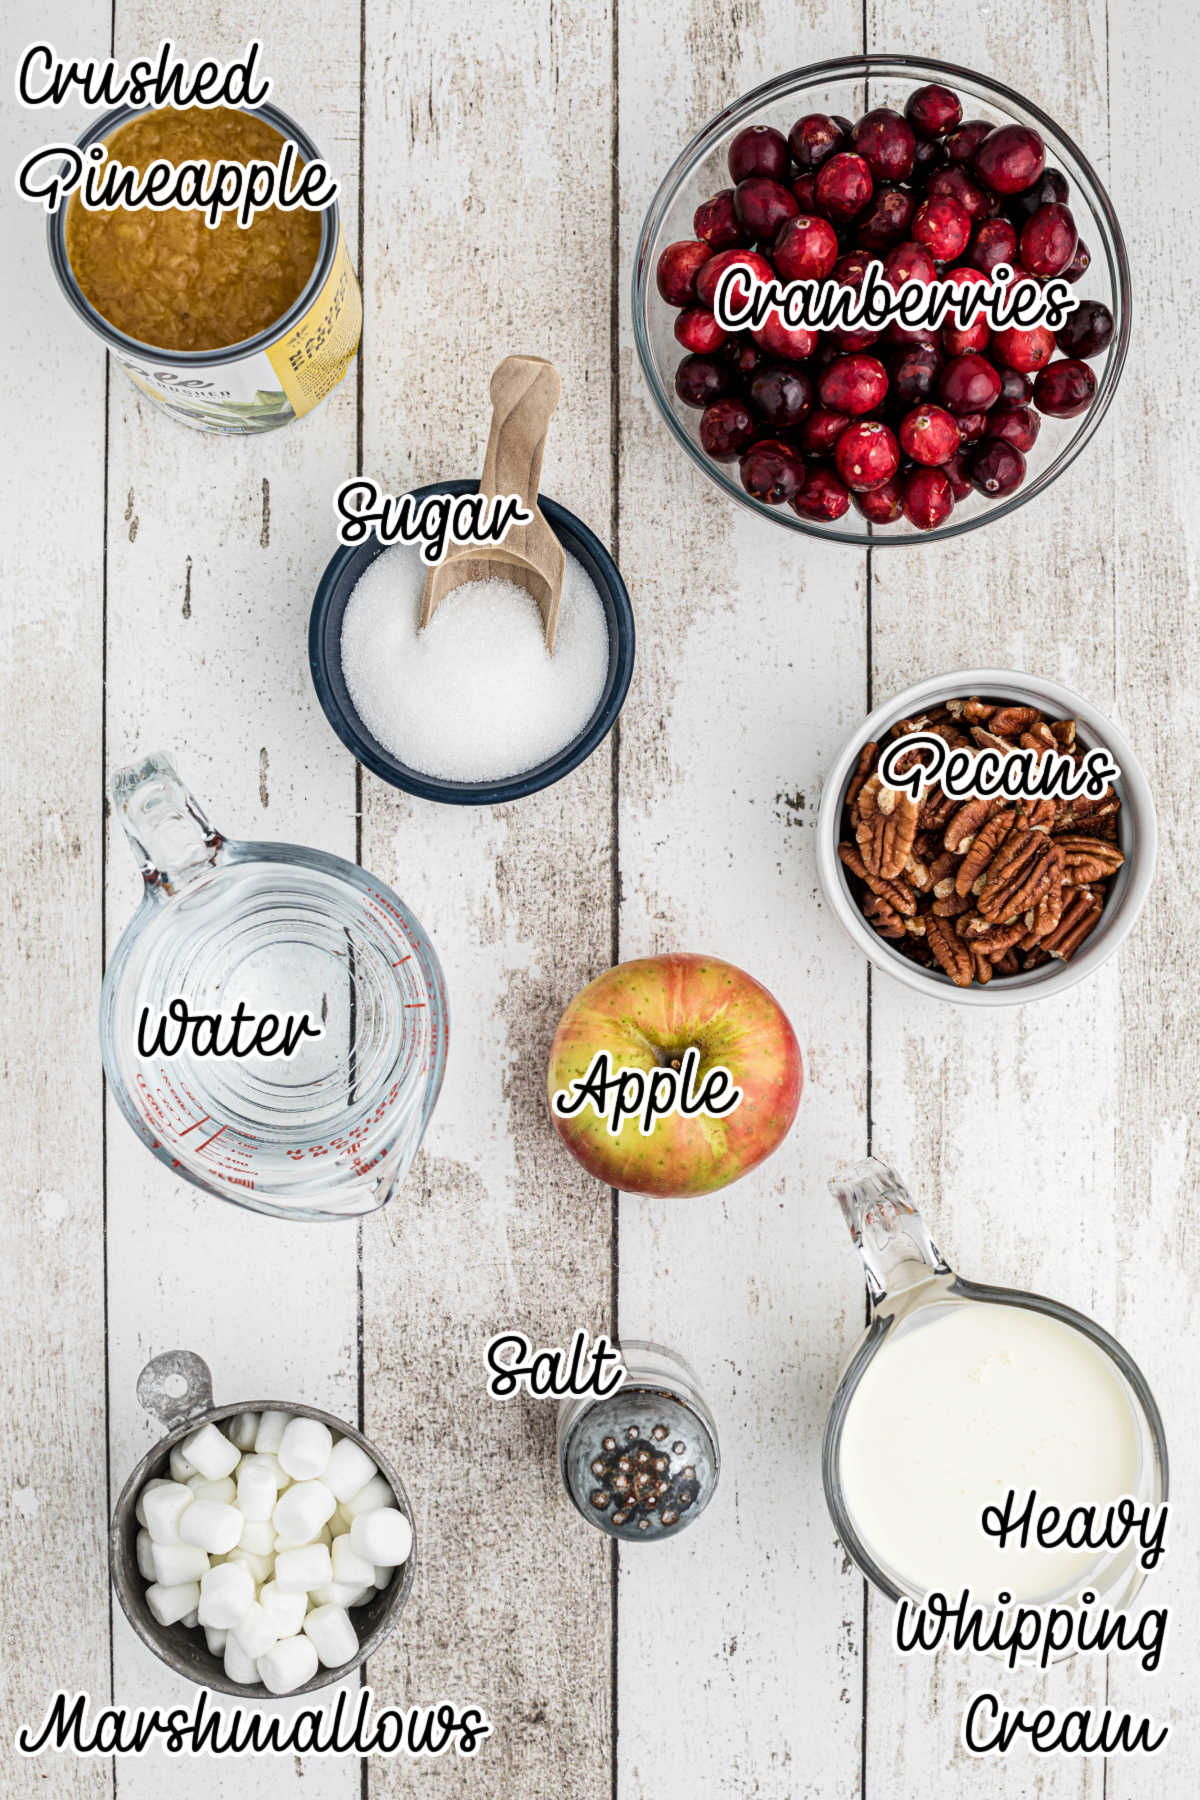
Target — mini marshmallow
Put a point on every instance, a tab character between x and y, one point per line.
176	1563
181	1468
375	1494
163	1503
192	1620
349	1566
287	1610
331	1631
383	1576
226	1596
215	1638
383	1537
170	1605
238	1665
361	1599
243	1430
335	1593
257	1632
288	1665
257	1489
304	1450
258	1535
212	1526
139	1510
296	1571
210	1453
301	1512
145	1556
260	1567
224	1490
348	1471
271	1427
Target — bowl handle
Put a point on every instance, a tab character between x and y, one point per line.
160	1392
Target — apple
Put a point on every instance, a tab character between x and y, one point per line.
646	1015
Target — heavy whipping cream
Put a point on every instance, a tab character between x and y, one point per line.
962	1403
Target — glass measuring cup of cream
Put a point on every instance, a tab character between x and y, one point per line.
958	1393
273	1021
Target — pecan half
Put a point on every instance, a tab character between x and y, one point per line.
964	825
898	895
1019	875
868	756
1080	917
983	848
887	825
1088	859
886	920
952	955
1011	721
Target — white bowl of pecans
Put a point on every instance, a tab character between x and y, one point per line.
1010	848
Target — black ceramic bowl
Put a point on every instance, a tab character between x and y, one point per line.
325	661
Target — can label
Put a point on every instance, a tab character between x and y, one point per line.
269	387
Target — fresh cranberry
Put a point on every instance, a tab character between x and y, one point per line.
1015	388
956	473
929	435
994	242
819	432
882	505
1010	159
853	340
793	342
1017	425
823	496
968	384
928	498
763	207
853	384
699	380
1087	331
850	270
712	271
912	373
1049	240
744	356
958	339
1064	389
885	140
886	220
843	125
805	189
997	468
678	267
772	472
1079	264
813	140
726	429
781	396
758	150
909	262
1024	350
955	182
696	329
943	225
805	250
930	154
844	185
933	110
716	222
867	455
971	427
1052	186
962	143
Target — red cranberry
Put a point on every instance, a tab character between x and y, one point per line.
929	435
844	185
956	339
745	357
943	225
805	250
772	472
994	242
1049	240
853	384
912	373
971	427
886	143
781	396
696	329
886	219
853	340
882	505
1017	425
930	154
1052	186
699	380
758	150
1010	159
793	342
813	140
823	496
997	468
819	432
933	110
1079	264
843	125
928	498
805	189
716	222
1087	331
1024	350
1015	388
968	384
962	144
678	267
712	271
956	183
867	455
1064	389
851	269
956	473
763	207
909	262
726	429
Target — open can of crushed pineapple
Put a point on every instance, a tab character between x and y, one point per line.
281	291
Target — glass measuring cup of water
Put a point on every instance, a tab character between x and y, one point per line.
956	1393
327	1130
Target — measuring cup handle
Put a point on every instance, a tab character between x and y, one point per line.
888	1232
171	838
160	1391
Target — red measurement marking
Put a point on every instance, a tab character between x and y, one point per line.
409	1004
195	1126
403	959
212	1139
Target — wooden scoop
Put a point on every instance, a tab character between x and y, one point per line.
525	391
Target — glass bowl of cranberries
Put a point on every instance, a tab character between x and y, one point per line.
851	173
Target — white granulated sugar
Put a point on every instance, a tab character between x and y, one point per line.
475	696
